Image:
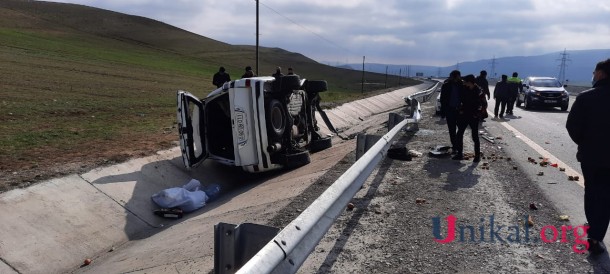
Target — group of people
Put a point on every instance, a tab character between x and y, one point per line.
462	106
462	103
222	76
505	94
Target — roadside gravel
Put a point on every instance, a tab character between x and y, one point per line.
391	229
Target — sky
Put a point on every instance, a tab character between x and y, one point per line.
401	32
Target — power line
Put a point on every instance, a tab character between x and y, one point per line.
305	28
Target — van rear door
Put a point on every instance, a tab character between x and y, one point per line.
191	128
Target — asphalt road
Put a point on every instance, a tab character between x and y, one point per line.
546	127
541	132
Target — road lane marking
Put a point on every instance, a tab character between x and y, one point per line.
569	171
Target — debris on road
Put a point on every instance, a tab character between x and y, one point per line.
540	173
533	206
440	151
420	201
564	217
530	221
415	153
350	206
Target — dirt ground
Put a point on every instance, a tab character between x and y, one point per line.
391	229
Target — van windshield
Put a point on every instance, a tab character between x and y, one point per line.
551	83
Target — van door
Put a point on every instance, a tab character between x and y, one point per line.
191	127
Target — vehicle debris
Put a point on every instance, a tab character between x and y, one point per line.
440	151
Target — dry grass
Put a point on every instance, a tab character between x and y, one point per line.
80	87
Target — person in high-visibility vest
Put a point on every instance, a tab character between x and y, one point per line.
515	86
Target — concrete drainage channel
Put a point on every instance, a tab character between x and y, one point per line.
106	214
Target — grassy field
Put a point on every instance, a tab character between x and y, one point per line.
76	91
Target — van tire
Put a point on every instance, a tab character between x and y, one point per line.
276	118
320	144
288	83
315	86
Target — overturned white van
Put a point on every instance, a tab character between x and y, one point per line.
260	123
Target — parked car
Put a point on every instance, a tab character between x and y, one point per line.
543	91
259	124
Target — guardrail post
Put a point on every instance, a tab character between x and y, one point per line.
234	245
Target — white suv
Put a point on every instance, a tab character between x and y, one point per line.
260	123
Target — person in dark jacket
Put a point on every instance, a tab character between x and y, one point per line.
468	116
450	101
278	72
501	92
484	85
515	86
249	73
589	127
220	77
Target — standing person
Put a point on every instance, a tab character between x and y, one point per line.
249	73
481	81
501	92
290	71
516	86
278	72
589	127
221	77
450	101
468	116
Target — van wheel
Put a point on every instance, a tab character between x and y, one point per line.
320	144
564	108
288	83
297	159
315	86
276	118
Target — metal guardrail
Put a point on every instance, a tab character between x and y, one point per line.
287	251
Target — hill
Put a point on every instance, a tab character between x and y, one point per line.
82	86
579	64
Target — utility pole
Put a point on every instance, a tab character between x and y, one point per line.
386	77
399	75
362	88
562	67
256	37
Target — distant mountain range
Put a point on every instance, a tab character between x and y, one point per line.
578	66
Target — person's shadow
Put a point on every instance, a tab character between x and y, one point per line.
600	263
457	176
